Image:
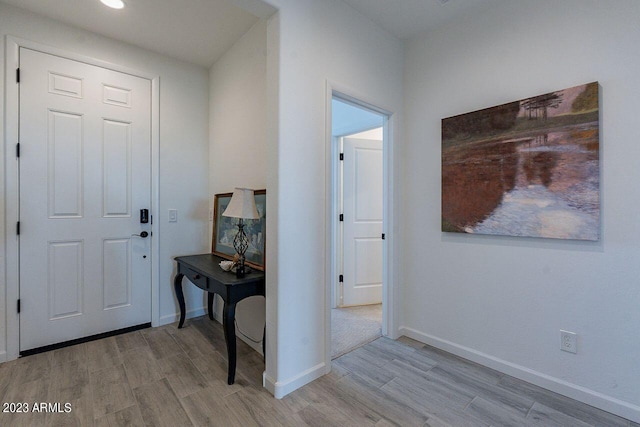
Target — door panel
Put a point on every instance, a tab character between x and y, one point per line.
64	146
362	201
116	150
85	171
65	279
116	273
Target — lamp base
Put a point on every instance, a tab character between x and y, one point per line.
240	244
241	268
240	271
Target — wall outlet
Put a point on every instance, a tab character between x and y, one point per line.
568	341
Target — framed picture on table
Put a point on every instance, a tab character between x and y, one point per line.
225	229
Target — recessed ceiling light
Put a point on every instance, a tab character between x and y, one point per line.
114	4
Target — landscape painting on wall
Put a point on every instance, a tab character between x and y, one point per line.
527	168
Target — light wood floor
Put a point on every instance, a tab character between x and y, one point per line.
170	377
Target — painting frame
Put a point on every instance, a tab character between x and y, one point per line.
224	228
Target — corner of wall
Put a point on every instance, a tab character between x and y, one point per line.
280	389
273	129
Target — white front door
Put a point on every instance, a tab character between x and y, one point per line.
85	173
362	232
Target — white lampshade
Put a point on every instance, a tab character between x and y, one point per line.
242	205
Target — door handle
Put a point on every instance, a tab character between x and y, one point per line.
143	234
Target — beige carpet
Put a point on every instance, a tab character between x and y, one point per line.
353	327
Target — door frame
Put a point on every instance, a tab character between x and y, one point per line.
332	208
12	182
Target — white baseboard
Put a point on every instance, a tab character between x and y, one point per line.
269	383
3	356
280	389
582	394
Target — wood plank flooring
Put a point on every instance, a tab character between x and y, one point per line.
177	377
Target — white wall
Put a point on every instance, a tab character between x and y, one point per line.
311	43
238	142
183	144
502	301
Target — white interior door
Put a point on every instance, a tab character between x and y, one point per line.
85	173
362	225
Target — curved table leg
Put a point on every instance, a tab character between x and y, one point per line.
210	304
177	285
230	337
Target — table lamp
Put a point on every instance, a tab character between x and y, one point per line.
241	206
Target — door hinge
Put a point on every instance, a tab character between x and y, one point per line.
18	228
18	306
382	236
17	75
341	217
341	278
18	149
341	156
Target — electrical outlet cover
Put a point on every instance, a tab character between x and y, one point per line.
568	341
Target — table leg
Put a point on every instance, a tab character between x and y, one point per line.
229	326
177	285
210	304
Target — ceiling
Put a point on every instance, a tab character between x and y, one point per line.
200	31
348	119
196	31
409	18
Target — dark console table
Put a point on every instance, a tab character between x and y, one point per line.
204	272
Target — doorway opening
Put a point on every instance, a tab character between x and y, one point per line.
358	135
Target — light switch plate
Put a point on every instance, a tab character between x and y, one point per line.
173	215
